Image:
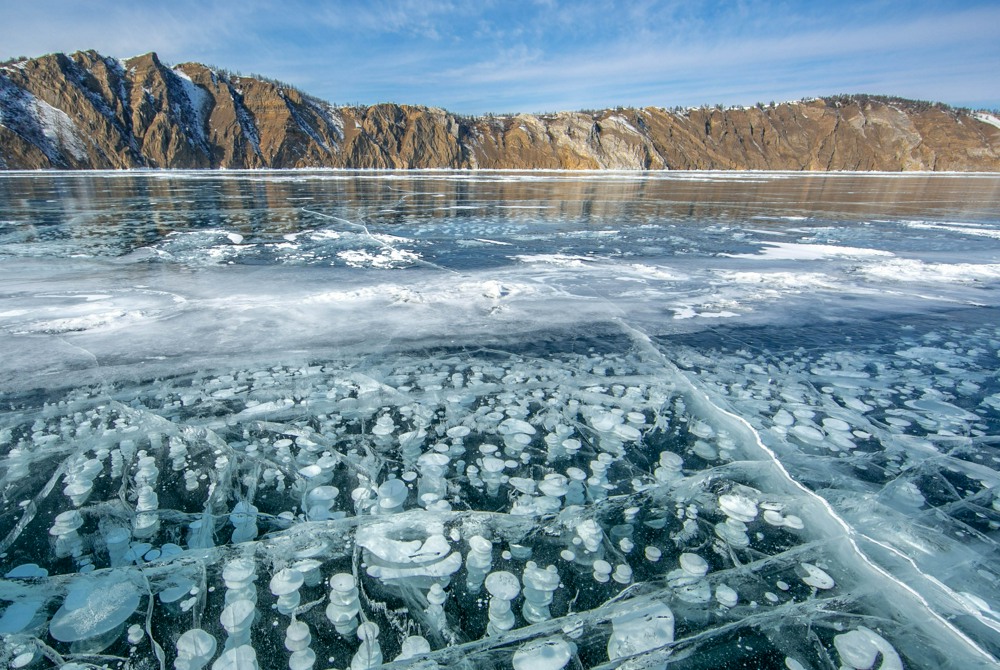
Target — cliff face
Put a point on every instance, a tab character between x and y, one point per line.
88	111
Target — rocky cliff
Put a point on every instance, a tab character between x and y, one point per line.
85	110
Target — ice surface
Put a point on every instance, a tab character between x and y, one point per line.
225	445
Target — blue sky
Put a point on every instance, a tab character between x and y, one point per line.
548	55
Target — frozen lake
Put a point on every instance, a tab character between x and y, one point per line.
337	419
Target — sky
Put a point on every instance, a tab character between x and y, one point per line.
484	56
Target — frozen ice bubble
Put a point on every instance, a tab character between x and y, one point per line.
523	484
311	471
807	433
726	595
831	423
550	654
79	490
554	484
302	659
94	606
734	532
639	629
297	636
671	461
368	631
700	429
773	518
238	571
604	421
693	564
738	507
480	544
323	494
66	522
392	494
23	659
413	645
436	595
242	657
705	451
571	445
909	495
622	574
515	426
196	647
286	581
794	522
856	650
814	576
19	615
237	615
653	554
503	585
27	571
590	534
492	464
627	432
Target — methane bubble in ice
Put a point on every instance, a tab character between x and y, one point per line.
413	645
195	648
860	648
815	577
550	654
94	606
503	588
637	629
738	507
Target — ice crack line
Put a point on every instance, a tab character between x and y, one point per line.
647	345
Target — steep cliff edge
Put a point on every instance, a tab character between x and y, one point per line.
85	110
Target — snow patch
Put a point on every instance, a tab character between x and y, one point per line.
41	124
906	269
387	258
792	251
963	228
198	100
562	260
988	118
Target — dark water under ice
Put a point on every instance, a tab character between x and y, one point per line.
750	420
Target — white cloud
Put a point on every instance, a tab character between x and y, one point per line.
544	54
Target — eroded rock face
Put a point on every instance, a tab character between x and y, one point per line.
85	110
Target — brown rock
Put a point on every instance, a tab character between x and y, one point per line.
88	111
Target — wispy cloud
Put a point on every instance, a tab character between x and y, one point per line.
548	54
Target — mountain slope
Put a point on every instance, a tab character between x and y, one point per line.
87	111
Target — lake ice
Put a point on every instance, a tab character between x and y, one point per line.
335	419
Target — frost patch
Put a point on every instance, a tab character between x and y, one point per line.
908	270
385	259
808	252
